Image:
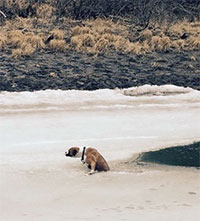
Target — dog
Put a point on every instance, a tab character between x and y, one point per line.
94	159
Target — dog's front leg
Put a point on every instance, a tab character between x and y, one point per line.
92	165
91	161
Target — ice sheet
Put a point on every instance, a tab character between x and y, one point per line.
39	183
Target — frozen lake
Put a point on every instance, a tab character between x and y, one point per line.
117	122
36	128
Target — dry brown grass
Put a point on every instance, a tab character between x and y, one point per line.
22	36
15	38
163	40
146	34
99	36
21	4
137	48
192	30
104	35
83	42
23	44
58	34
81	30
34	40
19	23
58	45
44	11
158	43
24	50
178	29
102	26
3	40
178	44
193	42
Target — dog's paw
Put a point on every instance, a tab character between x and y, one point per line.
91	172
83	161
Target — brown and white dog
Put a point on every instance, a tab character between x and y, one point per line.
94	159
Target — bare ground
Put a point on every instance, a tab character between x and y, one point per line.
71	70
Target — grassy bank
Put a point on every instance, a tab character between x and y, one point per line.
30	26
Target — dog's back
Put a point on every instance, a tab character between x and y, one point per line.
93	155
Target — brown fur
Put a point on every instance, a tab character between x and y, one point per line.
95	160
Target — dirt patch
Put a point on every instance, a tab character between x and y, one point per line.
73	70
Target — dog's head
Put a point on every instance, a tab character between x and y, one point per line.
73	152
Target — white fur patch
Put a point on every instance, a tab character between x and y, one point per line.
79	154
